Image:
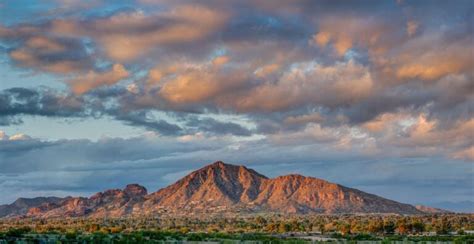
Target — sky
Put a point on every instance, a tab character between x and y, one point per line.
374	95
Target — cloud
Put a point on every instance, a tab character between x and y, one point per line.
410	134
348	31
128	35
19	137
467	154
215	127
382	122
44	102
220	60
417	61
3	136
51	54
187	84
412	27
93	79
142	119
310	83
427	133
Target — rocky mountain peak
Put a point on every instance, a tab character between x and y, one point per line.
135	190
218	187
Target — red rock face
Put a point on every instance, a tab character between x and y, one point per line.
226	188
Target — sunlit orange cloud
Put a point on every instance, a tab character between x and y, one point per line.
196	87
44	44
126	36
27	58
93	79
220	60
410	56
466	154
383	122
428	133
266	70
188	83
190	87
344	32
434	64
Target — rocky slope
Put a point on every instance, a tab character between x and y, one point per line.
432	210
218	188
22	205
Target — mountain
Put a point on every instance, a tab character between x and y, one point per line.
218	188
114	203
458	207
22	205
432	210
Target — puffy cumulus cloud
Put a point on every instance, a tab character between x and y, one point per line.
190	83
419	60
19	137
75	48
418	135
426	133
93	79
15	137
384	121
310	84
430	55
191	87
344	32
128	35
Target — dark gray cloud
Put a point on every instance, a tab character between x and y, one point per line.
215	127
44	102
140	118
17	102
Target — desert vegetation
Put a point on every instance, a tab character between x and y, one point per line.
264	228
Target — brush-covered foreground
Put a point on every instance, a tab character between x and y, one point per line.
455	228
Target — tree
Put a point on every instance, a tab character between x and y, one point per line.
443	226
388	227
375	226
284	227
418	227
403	227
261	221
